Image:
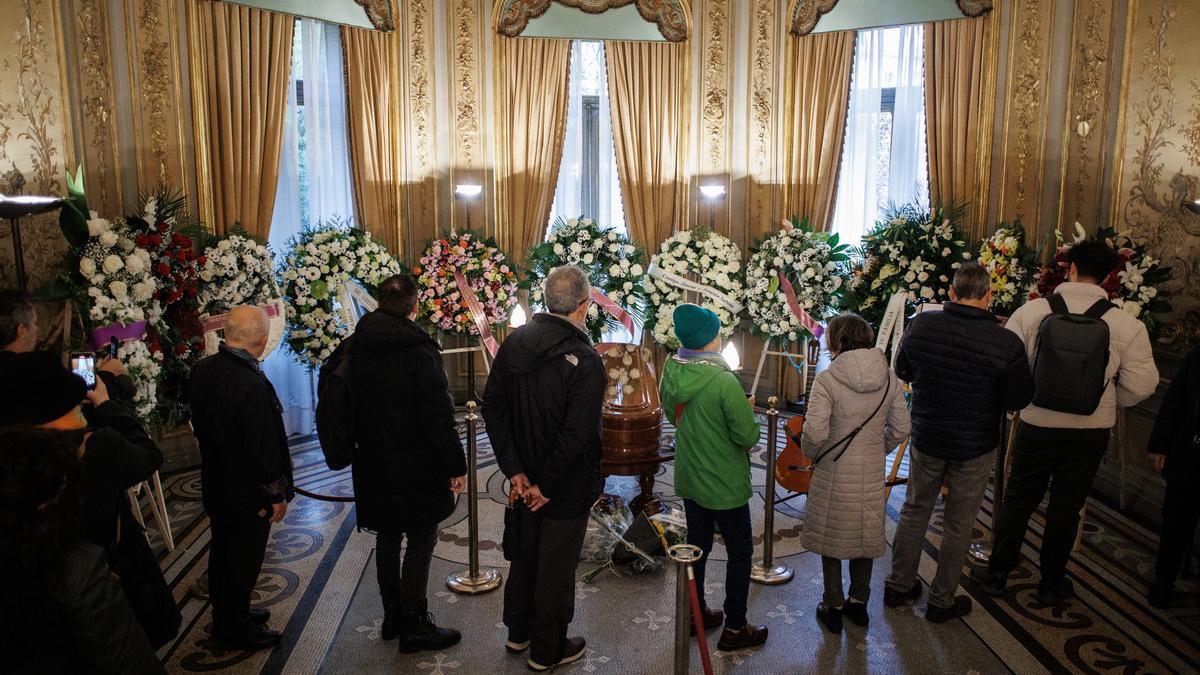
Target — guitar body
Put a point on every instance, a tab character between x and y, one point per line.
793	469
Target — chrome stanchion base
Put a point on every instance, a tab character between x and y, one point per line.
771	576
462	582
980	553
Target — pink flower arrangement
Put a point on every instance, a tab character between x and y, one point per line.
487	271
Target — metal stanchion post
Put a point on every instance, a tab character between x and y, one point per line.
687	606
981	552
768	572
473	580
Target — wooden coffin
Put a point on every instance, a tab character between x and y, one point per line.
632	421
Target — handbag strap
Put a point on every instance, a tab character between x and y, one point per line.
849	438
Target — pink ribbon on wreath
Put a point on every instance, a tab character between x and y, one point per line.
613	309
120	332
218	321
802	316
478	315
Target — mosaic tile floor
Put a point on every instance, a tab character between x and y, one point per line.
318	580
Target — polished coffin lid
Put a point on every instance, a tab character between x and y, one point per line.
632	419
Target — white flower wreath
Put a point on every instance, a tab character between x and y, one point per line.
238	270
320	260
713	261
815	263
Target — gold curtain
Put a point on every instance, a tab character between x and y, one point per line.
532	85
814	123
651	108
954	95
374	129
247	59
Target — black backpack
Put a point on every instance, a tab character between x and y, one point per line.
335	409
1071	358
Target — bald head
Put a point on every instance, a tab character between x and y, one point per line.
247	328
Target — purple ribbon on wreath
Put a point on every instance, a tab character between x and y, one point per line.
117	332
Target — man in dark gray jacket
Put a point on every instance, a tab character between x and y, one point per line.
542	407
965	370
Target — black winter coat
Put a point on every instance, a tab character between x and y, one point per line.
542	407
91	628
965	370
407	445
245	464
1177	427
119	454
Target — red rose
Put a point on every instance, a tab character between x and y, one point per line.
201	260
156	240
162	226
162	269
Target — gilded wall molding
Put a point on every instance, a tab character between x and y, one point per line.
420	195
714	95
33	132
763	194
1156	142
466	72
379	13
806	14
1085	128
671	16
1025	123
97	132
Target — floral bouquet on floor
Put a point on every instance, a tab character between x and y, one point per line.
910	250
486	270
613	264
111	282
319	262
165	230
814	264
239	270
1136	285
697	266
1012	266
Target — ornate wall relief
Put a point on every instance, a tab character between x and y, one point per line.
33	133
714	104
762	199
466	68
1159	142
807	13
419	198
379	13
671	16
1089	100
94	108
1025	123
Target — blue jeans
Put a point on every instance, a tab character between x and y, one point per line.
734	525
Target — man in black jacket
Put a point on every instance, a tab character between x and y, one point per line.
408	462
965	370
245	473
1175	450
542	408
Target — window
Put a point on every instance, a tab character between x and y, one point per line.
587	177
884	157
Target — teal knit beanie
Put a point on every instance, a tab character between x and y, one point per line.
695	326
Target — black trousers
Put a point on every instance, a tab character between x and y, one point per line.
1181	512
403	586
734	525
234	560
539	598
1067	460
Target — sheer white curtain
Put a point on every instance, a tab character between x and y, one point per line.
328	154
856	206
909	172
588	78
318	62
291	380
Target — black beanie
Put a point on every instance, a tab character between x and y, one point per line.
36	389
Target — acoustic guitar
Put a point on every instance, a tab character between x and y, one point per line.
793	469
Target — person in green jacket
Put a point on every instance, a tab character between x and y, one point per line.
715	428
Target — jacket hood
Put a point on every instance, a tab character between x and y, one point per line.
693	375
379	331
545	337
861	370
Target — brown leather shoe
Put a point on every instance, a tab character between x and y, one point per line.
713	618
748	636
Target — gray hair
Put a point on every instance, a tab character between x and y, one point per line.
567	287
971	282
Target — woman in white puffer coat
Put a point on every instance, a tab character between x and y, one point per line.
856	416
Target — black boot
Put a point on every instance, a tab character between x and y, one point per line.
418	632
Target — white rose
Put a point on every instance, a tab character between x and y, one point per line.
558	249
636	270
588	258
576	247
87	267
118	289
135	264
112	264
97	225
108	239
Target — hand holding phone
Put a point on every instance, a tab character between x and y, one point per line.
83	364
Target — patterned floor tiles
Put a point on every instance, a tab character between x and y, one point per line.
318	581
